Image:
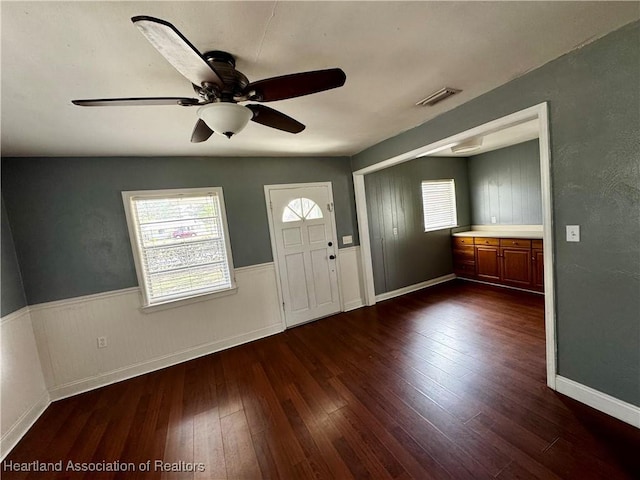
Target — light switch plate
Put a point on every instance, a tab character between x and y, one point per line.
347	239
573	233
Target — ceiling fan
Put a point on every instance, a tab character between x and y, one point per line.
220	87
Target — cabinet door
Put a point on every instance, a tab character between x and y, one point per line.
537	257
516	266
487	265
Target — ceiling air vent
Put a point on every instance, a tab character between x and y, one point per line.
438	96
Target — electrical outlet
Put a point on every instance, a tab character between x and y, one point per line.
102	342
573	233
395	230
494	220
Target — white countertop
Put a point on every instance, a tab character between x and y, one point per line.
501	233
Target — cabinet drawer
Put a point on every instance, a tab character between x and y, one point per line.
515	242
462	241
465	270
464	254
536	243
486	241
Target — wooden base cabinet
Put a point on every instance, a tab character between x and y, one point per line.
488	263
464	257
509	261
537	257
515	257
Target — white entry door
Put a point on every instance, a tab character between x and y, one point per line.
303	229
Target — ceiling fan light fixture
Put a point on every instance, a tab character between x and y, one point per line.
219	85
225	118
467	146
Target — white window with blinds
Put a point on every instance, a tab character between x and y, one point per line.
180	243
439	204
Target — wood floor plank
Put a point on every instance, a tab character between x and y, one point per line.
525	449
453	428
239	453
284	446
570	461
208	446
268	467
369	443
388	406
415	460
117	430
446	383
179	442
322	431
229	400
305	439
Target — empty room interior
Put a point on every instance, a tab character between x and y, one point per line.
332	240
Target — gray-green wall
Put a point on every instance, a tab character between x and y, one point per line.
505	184
394	200
594	112
12	296
69	226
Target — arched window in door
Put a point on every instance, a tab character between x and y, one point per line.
301	209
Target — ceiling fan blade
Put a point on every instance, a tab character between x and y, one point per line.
201	132
129	102
295	85
275	119
178	51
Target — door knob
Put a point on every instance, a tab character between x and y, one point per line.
330	244
332	257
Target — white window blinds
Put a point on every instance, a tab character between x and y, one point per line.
439	204
181	244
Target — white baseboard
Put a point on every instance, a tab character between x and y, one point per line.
600	401
11	438
353	305
130	371
499	285
415	287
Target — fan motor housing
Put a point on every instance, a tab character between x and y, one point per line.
225	66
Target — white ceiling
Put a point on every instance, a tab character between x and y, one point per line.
394	54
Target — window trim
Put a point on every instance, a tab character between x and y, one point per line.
134	239
455	224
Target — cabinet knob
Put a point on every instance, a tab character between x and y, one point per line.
332	257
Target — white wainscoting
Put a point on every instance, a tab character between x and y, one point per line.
49	350
351	278
66	331
23	390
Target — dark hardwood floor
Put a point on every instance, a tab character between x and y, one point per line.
445	383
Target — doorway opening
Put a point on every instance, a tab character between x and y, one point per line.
537	114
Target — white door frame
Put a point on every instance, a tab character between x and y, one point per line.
537	112
272	236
